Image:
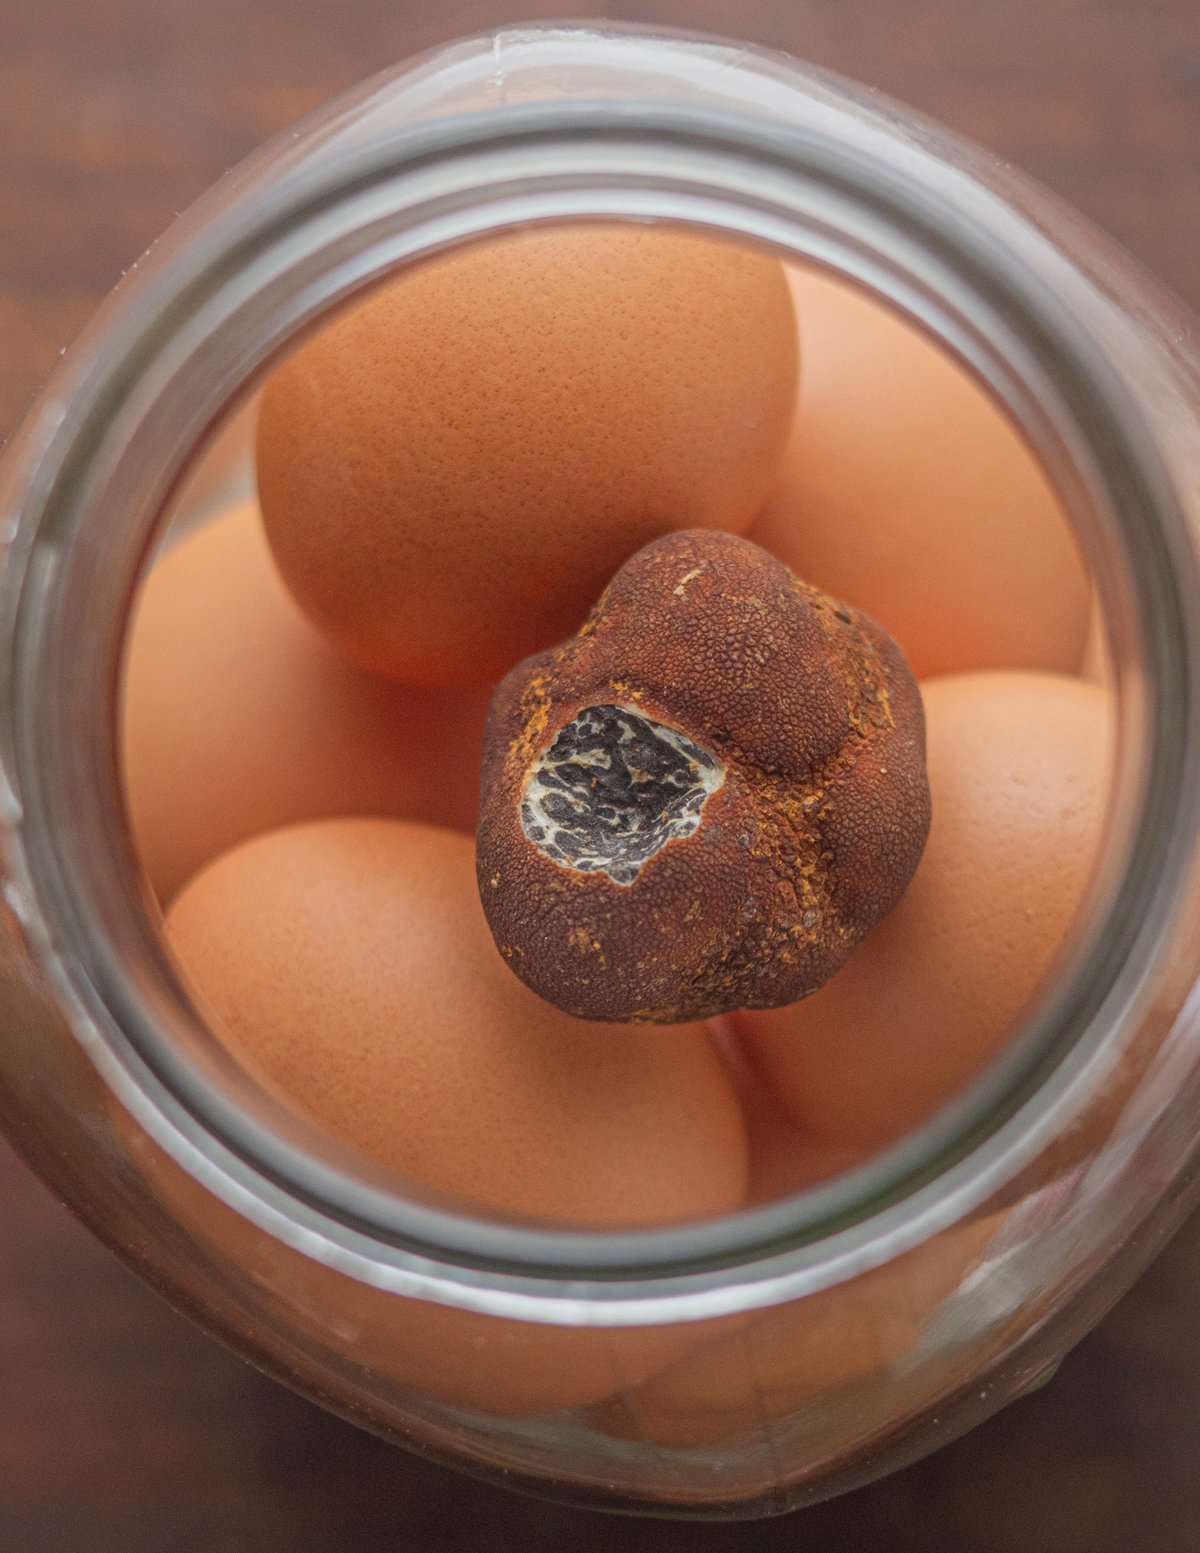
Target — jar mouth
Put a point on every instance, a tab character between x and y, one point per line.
179	346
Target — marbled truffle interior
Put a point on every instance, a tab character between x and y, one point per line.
613	788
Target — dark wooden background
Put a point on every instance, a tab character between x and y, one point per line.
122	1428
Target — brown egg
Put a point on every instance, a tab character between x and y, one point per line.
238	717
907	492
1018	771
348	962
761	1376
783	1158
487	1364
452	471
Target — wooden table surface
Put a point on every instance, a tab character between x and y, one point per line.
124	1428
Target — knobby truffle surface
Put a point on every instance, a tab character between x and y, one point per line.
706	798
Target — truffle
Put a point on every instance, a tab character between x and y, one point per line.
706	798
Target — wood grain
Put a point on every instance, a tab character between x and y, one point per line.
121	1426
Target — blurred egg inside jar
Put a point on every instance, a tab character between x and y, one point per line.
444	479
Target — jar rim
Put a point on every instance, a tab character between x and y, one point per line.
826	1233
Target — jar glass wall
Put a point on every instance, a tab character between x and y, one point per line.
738	1365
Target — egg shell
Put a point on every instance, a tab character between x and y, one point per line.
1019	771
348	963
783	1159
745	1383
237	717
907	492
452	470
488	1365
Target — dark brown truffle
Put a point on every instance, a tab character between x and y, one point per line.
706	798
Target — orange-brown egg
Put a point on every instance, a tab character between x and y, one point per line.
907	492
238	717
748	1383
348	962
784	1159
1018	771
486	1363
451	471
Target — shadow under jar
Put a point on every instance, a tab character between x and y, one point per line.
742	1365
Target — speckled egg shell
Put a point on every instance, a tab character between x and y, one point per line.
453	469
908	491
238	717
348	965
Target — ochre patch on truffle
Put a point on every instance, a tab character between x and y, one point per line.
706	798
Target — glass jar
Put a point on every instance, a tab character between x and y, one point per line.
737	1367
